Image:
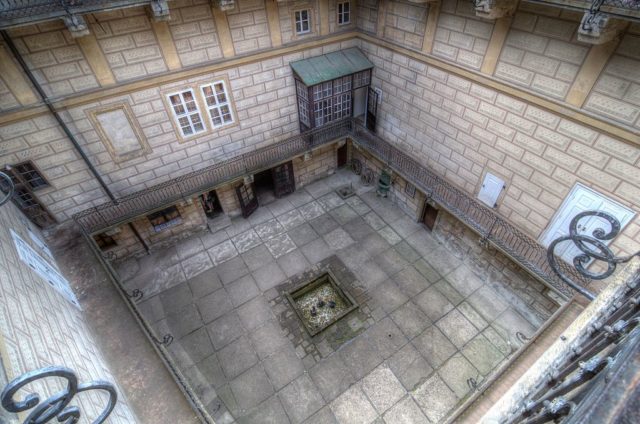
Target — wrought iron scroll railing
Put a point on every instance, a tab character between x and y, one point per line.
491	227
57	407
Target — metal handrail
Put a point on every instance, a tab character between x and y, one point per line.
491	227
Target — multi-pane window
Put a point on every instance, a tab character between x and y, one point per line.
344	13
27	174
361	79
342	85
218	104
104	241
322	112
165	218
186	112
342	107
321	91
303	102
303	21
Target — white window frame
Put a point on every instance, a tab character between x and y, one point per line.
186	114
218	106
297	19
342	13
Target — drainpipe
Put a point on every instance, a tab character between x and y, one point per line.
64	127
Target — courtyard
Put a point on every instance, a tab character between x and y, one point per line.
433	321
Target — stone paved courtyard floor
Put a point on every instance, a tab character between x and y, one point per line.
429	326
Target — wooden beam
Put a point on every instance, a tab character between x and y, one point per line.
382	17
273	17
14	80
168	47
96	59
498	36
224	33
592	66
432	24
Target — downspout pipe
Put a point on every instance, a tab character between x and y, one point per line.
9	42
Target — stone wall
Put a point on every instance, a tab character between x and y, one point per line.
616	95
40	328
193	220
129	43
323	162
461	130
542	52
461	37
194	32
54	57
405	23
249	27
367	15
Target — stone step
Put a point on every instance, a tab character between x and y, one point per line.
473	412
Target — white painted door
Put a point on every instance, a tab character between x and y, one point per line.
581	199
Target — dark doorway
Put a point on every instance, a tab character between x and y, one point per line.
283	179
264	188
247	198
429	216
211	204
372	109
343	154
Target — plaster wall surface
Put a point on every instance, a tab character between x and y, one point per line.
40	328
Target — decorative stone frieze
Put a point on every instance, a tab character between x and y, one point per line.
494	9
160	10
76	25
225	4
599	28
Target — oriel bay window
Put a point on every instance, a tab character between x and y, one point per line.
331	87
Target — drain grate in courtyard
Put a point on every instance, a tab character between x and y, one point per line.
320	302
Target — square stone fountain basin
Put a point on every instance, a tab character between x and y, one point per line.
320	302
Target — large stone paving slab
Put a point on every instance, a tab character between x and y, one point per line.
430	316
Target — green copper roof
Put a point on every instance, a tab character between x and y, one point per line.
330	66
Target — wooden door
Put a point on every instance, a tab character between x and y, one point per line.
28	203
247	198
342	155
283	179
429	216
372	109
582	199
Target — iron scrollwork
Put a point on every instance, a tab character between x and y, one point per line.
10	188
592	247
57	406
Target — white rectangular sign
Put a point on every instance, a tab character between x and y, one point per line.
44	269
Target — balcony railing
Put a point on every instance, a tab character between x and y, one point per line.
142	202
491	227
